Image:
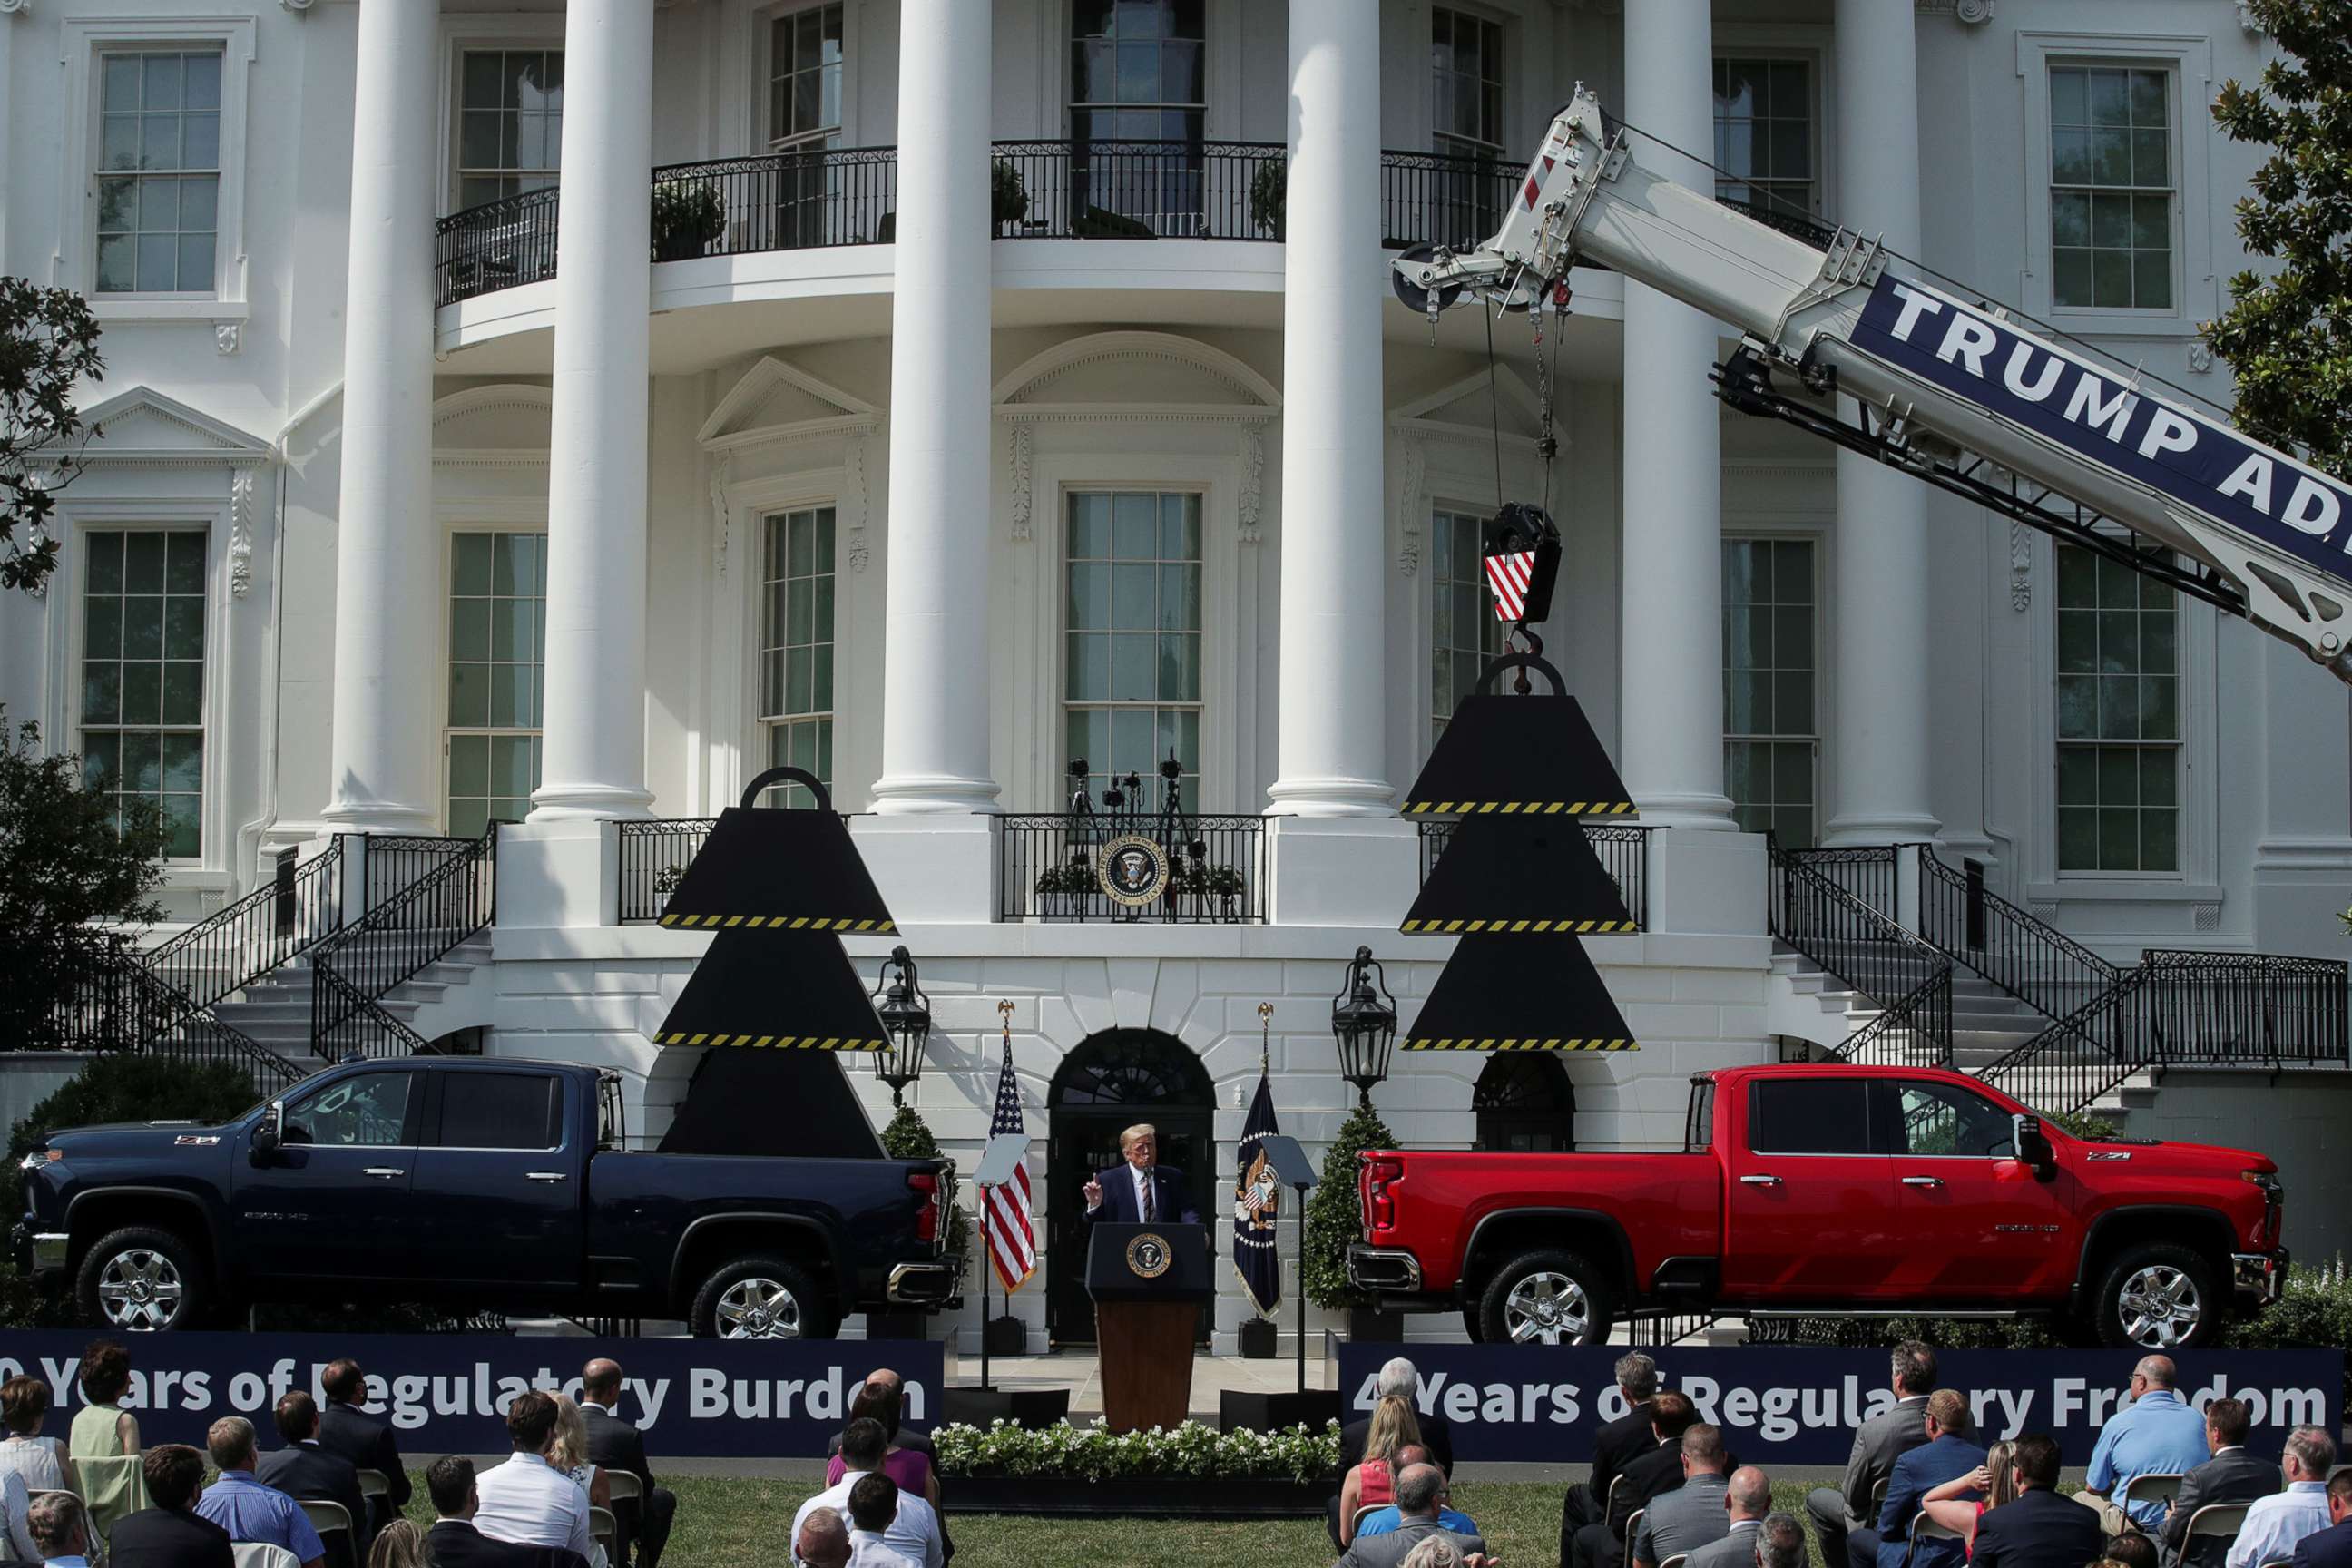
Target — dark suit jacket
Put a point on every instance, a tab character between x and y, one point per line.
1170	1195
2231	1476
367	1443
1436	1435
1389	1550
1652	1473
1877	1444
168	1538
2329	1548
2038	1529
1916	1473
1618	1441
307	1473
456	1544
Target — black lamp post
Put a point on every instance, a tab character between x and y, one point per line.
1364	1022
906	1015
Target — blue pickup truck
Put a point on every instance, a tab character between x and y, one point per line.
483	1183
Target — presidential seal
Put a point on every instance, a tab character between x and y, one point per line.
1147	1256
1133	871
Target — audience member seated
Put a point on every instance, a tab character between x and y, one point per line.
526	1500
2231	1474
821	1541
2332	1547
2275	1525
244	1506
873	1505
104	1439
641	1526
2156	1434
1421	1492
400	1545
1958	1503
1782	1543
2131	1549
1694	1514
1370	1482
345	1428
306	1472
24	1407
454	1542
1398	1378
2038	1528
569	1454
1946	1454
1381	1521
1838	1512
1647	1475
169	1532
878	1382
914	1528
15	1508
62	1531
1587	1501
911	1468
1747	1503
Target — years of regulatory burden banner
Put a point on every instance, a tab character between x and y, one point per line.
1780	1406
448	1393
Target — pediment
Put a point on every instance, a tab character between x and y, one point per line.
1102	374
142	424
1475	405
509	416
777	401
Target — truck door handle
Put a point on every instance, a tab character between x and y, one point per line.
386	1172
544	1176
1923	1181
1759	1181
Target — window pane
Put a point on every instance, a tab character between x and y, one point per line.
1801	1116
503	1110
371	1110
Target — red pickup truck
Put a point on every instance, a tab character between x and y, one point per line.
1828	1189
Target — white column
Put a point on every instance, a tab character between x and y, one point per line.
383	752
1878	735
594	756
1672	760
1332	723
935	598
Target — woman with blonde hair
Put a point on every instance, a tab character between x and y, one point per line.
399	1544
569	1456
1955	1505
1372	1484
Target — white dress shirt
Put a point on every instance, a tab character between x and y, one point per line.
872	1549
2274	1524
914	1534
529	1502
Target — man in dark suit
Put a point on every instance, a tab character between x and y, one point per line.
168	1534
620	1447
2038	1528
2231	1474
1649	1475
308	1473
2332	1547
345	1428
454	1542
1142	1191
1878	1442
1946	1456
1397	1376
1617	1442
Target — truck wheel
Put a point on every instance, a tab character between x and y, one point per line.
2158	1295
1547	1298
140	1279
760	1298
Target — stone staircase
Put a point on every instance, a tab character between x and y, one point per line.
274	1010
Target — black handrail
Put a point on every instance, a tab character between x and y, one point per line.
2086	1054
1863	872
225	953
1105	189
1438	198
654	853
352	971
1048	868
2031	959
2250	1007
1851	937
146	1015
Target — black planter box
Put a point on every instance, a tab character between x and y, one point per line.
1368	1326
1168	1497
1258	1338
1238	1410
1031	1408
897	1325
1005	1336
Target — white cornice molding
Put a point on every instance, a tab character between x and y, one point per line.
490	457
228	444
845	426
1259	396
456	405
1509	386
1135	412
1447	430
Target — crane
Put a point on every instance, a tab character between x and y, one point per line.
1956	392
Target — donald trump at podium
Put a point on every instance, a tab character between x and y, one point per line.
1140	1191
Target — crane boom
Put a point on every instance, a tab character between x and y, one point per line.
1952	391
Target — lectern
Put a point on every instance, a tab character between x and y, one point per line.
1148	1282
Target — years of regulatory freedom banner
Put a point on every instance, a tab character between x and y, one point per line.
448	1393
1783	1405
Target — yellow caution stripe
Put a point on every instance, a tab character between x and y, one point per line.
1579	928
1491	1043
1519	807
776	922
776	1042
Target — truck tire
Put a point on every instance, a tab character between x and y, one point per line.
1545	1296
762	1296
2158	1295
141	1278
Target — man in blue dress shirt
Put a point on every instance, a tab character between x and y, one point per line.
2156	1434
1946	1456
244	1506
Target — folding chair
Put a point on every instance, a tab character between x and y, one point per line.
2156	1485
608	1531
625	1485
2220	1520
262	1554
1676	1561
1633	1530
328	1517
1925	1529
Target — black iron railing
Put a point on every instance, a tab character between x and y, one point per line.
1850	933
655	853
1049	867
1624	848
2030	959
1138	190
1431	198
225	953
498	245
807	200
2246	1007
353	970
1864	873
117	1003
2084	1055
395	861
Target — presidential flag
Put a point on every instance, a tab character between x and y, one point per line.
1005	1214
1257	1202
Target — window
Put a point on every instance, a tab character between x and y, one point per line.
2111	188
502	1111
2118	717
1809	1116
143	677
1698	1122
1771	733
509	124
369	1110
804	69
498	653
1942	1119
1132	686
1524	1104
1463	632
796	645
1136	74
1465	61
1764	133
159	170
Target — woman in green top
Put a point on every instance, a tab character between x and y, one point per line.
104	1432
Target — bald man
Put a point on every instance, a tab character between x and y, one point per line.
615	1445
1747	1500
2156	1434
822	1542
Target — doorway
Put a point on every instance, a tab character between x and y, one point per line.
1111	1081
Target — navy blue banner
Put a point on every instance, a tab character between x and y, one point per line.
448	1393
1780	1406
2099	413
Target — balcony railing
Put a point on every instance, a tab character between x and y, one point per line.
654	853
1050	867
1624	848
1041	190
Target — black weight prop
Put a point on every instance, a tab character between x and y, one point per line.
1520	992
1532	755
1517	874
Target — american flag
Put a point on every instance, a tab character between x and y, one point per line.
1508	576
1004	1217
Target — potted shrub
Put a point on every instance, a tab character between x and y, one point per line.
1268	189
1062	886
908	1137
686	217
1008	196
1331	1225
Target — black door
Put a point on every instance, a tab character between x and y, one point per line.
1109	1083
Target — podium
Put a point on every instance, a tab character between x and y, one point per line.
1148	1282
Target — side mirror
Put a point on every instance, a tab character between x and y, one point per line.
265	1136
2033	1146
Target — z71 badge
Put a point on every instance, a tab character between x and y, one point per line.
200	1138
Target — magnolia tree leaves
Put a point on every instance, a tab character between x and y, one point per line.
49	342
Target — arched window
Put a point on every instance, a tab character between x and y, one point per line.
1131	1067
1525	1104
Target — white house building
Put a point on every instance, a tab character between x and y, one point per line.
554	415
